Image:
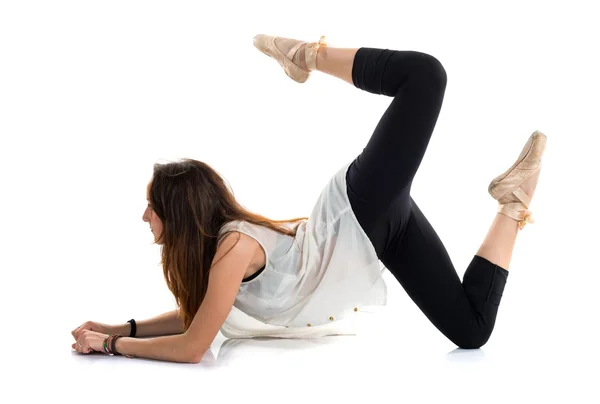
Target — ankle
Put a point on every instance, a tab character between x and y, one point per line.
516	213
320	57
313	52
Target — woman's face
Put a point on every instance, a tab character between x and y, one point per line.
151	217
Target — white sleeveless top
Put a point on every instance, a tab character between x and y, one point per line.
312	281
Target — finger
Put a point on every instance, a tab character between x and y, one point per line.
81	329
85	343
79	344
88	345
84	348
74	331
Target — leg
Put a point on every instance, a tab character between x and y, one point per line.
500	239
417	82
337	62
378	184
385	168
464	312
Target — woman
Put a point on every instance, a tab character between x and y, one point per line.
300	276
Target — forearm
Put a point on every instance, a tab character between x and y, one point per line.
164	324
172	348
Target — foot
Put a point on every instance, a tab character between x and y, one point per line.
285	45
513	194
298	58
529	186
516	204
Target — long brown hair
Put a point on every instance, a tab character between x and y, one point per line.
193	202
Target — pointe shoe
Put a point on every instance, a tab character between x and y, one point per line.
298	58
506	188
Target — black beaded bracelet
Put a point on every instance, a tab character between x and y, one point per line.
133	328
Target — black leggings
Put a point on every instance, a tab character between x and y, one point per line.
378	185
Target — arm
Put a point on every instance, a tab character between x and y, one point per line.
224	283
164	324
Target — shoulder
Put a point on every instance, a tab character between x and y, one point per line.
233	238
235	242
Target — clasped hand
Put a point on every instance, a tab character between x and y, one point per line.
87	339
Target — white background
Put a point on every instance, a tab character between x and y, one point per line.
93	93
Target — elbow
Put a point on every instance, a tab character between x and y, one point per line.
196	356
192	351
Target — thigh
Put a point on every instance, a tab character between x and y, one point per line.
382	173
389	161
420	262
384	229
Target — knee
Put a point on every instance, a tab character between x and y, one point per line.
471	344
475	339
433	68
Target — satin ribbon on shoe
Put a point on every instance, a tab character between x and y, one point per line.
515	211
320	43
527	218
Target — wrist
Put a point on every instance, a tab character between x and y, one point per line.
119	348
123	329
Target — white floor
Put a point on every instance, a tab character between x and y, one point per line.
403	359
331	369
